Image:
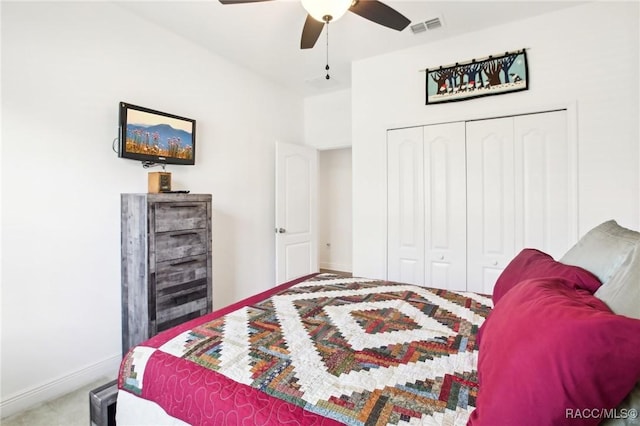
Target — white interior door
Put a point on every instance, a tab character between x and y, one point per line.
296	207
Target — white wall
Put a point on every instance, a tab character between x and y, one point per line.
334	210
327	120
328	128
585	57
65	67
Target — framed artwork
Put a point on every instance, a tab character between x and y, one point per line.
495	75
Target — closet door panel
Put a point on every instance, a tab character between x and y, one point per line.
490	198
544	190
445	206
465	198
405	190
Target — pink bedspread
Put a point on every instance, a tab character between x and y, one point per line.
321	351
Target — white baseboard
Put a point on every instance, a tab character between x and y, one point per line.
335	266
60	386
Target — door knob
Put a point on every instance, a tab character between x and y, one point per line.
281	230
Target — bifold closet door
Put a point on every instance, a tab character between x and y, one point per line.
490	201
465	198
445	206
405	211
545	182
427	206
521	192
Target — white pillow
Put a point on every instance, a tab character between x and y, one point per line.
622	292
603	249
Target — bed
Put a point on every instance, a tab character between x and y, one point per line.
558	342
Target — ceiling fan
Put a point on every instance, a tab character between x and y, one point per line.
321	12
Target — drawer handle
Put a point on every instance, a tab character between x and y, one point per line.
183	206
180	300
184	262
183	234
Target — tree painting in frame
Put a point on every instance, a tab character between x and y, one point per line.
495	75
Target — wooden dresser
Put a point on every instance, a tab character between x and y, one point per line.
166	262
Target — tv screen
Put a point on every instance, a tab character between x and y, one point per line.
156	137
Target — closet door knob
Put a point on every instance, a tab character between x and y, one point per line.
281	230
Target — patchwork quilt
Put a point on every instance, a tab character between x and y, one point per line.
324	351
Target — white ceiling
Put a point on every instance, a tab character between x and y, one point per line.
265	36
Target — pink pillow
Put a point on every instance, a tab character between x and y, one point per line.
551	353
532	263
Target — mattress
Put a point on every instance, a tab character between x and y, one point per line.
321	351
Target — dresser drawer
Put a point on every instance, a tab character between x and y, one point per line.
180	296
175	273
186	302
180	216
179	244
180	290
172	322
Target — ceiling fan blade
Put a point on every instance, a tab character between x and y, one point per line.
240	1
310	32
380	13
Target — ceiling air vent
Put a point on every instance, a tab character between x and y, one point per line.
430	24
419	28
434	23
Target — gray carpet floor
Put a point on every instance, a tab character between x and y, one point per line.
68	410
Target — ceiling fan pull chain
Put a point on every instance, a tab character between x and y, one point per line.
327	67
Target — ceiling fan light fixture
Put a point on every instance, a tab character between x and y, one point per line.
326	10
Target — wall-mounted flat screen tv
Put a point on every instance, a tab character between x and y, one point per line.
156	137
